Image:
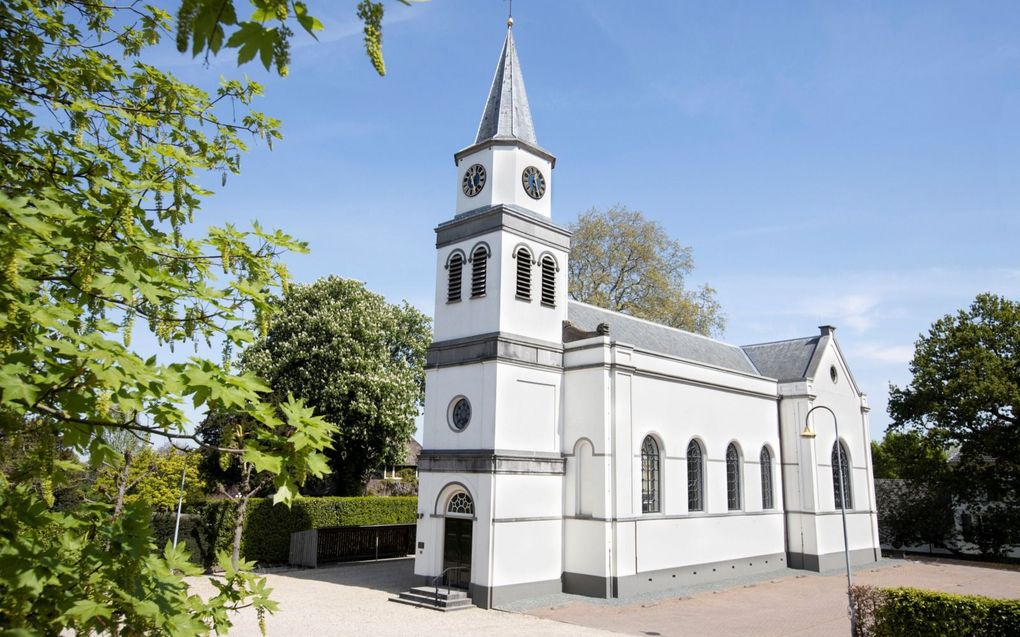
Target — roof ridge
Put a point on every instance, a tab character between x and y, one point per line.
653	323
782	340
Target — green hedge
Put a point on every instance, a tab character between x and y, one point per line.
906	612
266	537
267	534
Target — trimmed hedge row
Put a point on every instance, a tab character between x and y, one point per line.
906	612
266	536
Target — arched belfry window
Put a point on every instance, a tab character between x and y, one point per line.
841	466
455	267
649	475
461	505
479	262
548	281
524	262
695	477
766	478
732	478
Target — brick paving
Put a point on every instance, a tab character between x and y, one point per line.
791	603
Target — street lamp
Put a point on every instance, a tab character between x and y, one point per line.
809	433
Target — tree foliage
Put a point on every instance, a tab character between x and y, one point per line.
907	455
205	27
621	261
357	360
101	155
154	478
964	395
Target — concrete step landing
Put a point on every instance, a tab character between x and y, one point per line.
448	599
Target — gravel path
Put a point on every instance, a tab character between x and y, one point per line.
353	599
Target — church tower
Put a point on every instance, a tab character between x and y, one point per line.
491	473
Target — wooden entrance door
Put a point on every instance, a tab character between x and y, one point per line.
457	552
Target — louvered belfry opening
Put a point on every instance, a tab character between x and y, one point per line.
548	282
524	274
478	263
456	268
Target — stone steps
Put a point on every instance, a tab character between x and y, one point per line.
449	599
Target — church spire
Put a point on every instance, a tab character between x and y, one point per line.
506	114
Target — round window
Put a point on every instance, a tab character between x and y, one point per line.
833	374
460	413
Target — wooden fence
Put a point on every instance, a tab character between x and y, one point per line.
350	543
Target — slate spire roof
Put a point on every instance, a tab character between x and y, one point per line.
507	114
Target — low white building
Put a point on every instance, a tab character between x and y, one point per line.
570	448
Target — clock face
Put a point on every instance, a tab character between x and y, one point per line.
534	182
474	180
460	414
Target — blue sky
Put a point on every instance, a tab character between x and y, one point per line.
854	164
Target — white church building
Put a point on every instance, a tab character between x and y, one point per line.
568	448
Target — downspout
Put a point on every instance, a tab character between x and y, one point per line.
782	477
876	546
492	538
614	494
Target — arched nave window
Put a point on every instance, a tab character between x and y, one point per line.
766	478
695	477
732	478
456	267
523	256
841	463
479	261
649	476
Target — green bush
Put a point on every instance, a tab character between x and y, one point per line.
906	612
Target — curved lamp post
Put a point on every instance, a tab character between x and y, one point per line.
808	433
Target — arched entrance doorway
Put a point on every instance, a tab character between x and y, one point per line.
460	514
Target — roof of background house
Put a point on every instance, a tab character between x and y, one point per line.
412	453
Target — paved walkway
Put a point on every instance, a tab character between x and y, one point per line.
353	600
790	603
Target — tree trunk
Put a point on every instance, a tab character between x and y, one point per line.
239	517
122	484
246	493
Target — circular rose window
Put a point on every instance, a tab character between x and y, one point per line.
460	413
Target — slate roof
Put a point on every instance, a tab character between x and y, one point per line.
784	360
507	114
659	338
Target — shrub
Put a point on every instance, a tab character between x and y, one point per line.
905	612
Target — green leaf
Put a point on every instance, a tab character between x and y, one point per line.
307	22
262	461
86	609
283	494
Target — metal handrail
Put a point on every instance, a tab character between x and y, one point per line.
435	581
